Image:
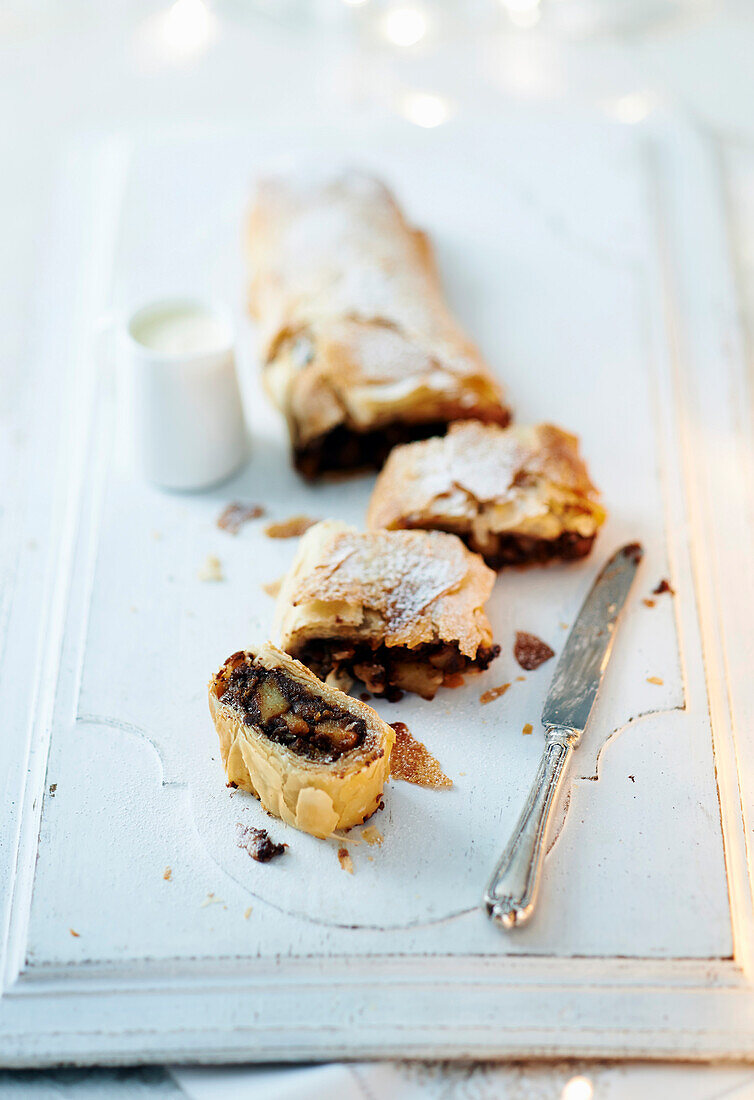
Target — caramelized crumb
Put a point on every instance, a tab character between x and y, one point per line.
412	761
272	588
258	843
493	693
53	788
662	587
648	603
76	934
655	680
167	874
365	697
232	518
528	728
372	835
212	569
530	651
289	528
345	860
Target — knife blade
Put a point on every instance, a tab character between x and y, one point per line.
511	893
581	665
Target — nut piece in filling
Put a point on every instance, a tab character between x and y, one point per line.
314	757
398	610
518	495
359	349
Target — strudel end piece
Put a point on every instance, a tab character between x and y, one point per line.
516	495
314	757
358	346
398	610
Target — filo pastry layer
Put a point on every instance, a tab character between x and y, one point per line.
515	495
313	756
359	348
399	610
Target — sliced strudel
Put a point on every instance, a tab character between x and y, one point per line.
314	757
398	610
359	348
515	495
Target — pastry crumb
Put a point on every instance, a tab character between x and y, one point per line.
212	570
412	761
167	874
272	588
493	693
289	528
662	587
258	843
564	626
528	728
235	515
74	933
530	651
211	899
247	912
648	603
655	680
345	860
372	835
632	778
53	788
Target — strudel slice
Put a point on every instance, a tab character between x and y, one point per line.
516	495
314	757
358	346
398	610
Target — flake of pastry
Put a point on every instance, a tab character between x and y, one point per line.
412	761
235	515
272	588
247	912
314	756
655	680
289	528
518	495
662	587
530	651
359	348
258	843
398	610
212	569
528	728
372	835
345	860
491	694
167	874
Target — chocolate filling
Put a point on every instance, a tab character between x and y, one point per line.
390	670
526	549
346	449
287	713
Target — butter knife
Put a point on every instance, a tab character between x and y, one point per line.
512	891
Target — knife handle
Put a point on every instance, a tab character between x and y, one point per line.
512	891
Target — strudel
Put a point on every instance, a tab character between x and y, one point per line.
515	495
359	348
398	610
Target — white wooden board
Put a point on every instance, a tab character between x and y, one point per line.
557	242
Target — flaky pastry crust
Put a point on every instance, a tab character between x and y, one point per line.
513	494
356	336
315	795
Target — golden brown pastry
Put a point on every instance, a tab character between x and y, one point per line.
313	756
516	495
359	348
399	610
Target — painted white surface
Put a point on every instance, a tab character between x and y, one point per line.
638	870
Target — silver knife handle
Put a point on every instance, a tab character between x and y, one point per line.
512	891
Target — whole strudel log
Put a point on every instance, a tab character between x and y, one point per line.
358	346
517	495
314	756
